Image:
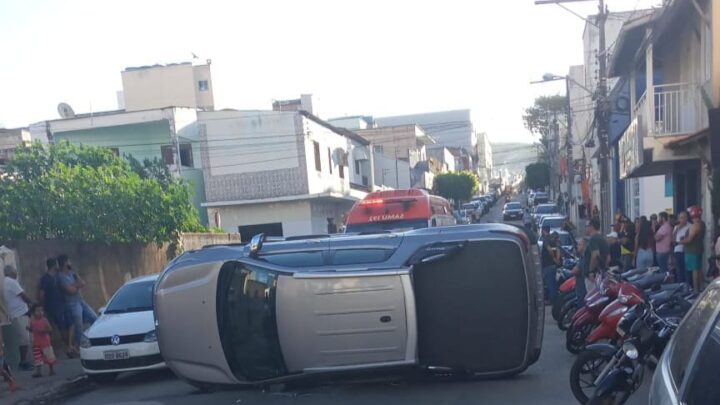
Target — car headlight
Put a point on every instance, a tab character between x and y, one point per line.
630	350
85	342
150	337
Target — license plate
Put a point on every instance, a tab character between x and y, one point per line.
116	355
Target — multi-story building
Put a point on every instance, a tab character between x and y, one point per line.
448	128
672	56
10	140
406	142
484	161
284	173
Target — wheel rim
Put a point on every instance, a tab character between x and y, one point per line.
589	371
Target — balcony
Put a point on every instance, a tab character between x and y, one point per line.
674	109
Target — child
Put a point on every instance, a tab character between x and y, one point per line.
42	347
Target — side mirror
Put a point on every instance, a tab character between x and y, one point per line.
101	310
256	244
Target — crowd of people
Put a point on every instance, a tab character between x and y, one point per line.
59	306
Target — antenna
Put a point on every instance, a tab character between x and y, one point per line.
65	110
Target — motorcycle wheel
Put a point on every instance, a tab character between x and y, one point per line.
560	300
575	337
584	371
566	314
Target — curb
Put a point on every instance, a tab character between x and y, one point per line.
61	392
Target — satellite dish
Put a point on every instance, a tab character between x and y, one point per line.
65	110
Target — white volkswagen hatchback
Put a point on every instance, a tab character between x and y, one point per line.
123	337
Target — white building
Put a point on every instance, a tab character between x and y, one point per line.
448	128
171	85
284	173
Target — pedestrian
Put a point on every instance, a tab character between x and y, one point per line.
643	245
527	219
52	299
18	304
42	348
78	311
549	259
5	322
618	224
626	238
596	252
581	280
663	241
694	248
679	233
614	250
595	213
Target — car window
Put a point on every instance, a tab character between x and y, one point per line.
511	206
360	256
553	222
704	384
133	297
295	259
546	209
686	337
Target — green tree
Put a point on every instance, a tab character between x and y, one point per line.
456	186
544	115
85	193
537	175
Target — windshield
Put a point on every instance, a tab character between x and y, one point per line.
468	206
553	222
133	297
546	209
373	227
513	206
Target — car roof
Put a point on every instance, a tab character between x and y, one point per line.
553	217
546	205
150	277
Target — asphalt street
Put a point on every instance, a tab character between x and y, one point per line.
545	382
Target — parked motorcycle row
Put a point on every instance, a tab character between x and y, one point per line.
619	329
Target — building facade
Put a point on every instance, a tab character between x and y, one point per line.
170	85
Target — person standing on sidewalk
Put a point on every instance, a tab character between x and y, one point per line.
581	279
663	241
643	245
78	310
51	298
5	372
549	260
694	248
42	348
679	233
18	305
596	253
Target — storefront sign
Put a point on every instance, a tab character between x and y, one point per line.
630	149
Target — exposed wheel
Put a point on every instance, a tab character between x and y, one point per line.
575	337
103	378
560	300
584	371
566	314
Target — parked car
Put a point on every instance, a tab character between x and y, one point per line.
543	210
567	241
123	337
474	210
688	371
342	304
463	217
555	222
540	197
513	210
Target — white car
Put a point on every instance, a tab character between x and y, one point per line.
123	337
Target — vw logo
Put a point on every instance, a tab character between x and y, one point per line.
115	340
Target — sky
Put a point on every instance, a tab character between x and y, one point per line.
369	57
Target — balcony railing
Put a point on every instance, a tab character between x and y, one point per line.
676	109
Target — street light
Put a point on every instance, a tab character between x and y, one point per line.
549	77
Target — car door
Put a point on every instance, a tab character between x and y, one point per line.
348	319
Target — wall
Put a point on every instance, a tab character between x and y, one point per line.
252	155
294	215
204	99
192	241
158	87
652	196
321	210
327	179
386	169
396	141
443	156
349	123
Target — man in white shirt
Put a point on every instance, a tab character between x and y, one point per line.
17	304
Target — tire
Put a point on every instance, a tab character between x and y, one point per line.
584	371
560	300
575	337
566	314
103	378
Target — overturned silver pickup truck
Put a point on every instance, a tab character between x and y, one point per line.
459	299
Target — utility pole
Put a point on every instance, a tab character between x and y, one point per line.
569	149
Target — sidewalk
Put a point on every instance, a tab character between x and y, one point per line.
46	389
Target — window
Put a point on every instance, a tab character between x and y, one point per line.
133	297
186	155
330	164
203	85
316	147
704	384
296	259
167	154
378	149
357	167
686	337
115	151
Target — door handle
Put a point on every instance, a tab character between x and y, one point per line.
385	319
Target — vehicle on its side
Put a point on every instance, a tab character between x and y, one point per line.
555	222
543	210
269	312
484	202
513	210
123	337
474	211
462	217
541	197
688	370
383	211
